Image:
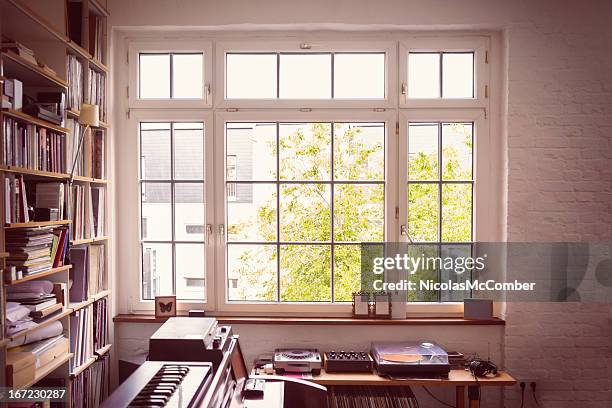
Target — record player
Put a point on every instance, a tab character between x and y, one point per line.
297	361
410	359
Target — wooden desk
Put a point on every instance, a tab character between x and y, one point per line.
460	379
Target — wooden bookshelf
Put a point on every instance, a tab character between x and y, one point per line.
36	224
39	275
42	27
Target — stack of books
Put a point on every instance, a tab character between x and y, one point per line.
31	146
33	251
96	36
81	337
75	82
41	305
19	49
16	199
97	85
100	324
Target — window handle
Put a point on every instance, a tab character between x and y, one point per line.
206	92
209	232
221	229
403	230
404	89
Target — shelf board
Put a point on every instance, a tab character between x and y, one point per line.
47	369
80	305
98	66
35	121
89	180
104	125
102	351
34	172
78	370
99	7
77	49
100	295
4	254
46	322
89	240
73	113
18	67
40	275
35	224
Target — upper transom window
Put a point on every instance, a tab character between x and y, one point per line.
312	75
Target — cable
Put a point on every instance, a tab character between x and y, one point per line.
522	393
533	391
437	399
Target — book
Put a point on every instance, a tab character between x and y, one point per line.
50	195
37	307
40	314
78	274
74	69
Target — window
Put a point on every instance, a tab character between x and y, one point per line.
307	194
172	202
171	76
440	194
316	148
292	75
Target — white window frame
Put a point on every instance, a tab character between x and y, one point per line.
388	117
170	46
130	174
316	46
477	44
395	109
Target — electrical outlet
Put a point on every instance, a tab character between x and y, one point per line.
527	381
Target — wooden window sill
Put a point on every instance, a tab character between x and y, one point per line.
413	321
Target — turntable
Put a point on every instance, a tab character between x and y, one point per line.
410	359
297	361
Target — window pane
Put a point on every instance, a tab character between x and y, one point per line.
359	151
154	152
424	75
251	212
359	212
457	143
252	272
457	212
304	212
189	212
423	212
423	151
156	212
455	275
189	151
305	274
156	270
250	76
347	272
359	76
190	274
154	76
252	147
424	272
187	76
305	76
458	75
305	151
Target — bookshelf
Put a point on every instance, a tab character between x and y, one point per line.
70	43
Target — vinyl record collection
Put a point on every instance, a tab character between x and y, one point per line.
91	386
75	82
370	396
